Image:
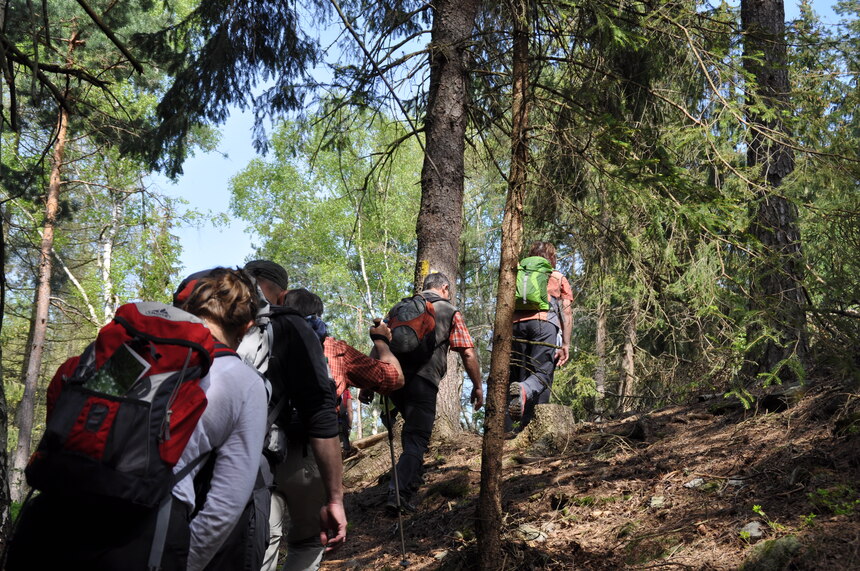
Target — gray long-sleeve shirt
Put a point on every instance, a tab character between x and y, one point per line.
234	425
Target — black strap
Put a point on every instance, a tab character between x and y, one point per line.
222	350
162	521
276	410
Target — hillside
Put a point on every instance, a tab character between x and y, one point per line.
704	486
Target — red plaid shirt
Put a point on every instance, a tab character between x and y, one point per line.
459	337
351	367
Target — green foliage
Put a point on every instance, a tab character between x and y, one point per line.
574	384
777	527
838	500
217	53
640	177
742	394
808	520
101	251
14	511
583	501
338	218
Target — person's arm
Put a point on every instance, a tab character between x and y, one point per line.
461	341
327	452
382	351
314	399
302	373
563	353
379	372
565	301
473	368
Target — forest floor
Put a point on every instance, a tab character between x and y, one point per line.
702	486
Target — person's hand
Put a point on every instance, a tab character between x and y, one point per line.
477	397
365	396
333	526
380	328
562	354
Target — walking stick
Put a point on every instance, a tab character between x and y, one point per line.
386	403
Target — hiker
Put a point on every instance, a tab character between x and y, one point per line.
102	496
416	401
283	347
542	327
232	428
297	479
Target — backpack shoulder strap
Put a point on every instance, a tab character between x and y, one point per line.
446	306
222	350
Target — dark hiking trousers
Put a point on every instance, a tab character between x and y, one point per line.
533	363
416	402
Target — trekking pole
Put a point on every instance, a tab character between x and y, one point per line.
387	404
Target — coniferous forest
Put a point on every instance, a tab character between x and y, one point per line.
695	163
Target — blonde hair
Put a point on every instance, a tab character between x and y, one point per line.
227	297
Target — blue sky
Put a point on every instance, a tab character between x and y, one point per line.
204	185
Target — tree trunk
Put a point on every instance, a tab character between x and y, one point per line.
449	407
440	218
628	359
489	524
33	364
106	243
5	499
359	429
374	419
776	289
601	332
600	351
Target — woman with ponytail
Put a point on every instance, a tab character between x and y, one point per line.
231	431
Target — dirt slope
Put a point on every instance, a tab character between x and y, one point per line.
674	493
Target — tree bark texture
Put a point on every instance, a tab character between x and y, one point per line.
489	524
33	363
628	358
5	499
449	407
600	348
777	288
601	336
440	217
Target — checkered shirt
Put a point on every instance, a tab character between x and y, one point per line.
349	366
459	337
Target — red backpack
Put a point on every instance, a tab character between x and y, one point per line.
413	330
121	414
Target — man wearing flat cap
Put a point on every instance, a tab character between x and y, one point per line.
271	277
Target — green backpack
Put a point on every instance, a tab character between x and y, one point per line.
532	279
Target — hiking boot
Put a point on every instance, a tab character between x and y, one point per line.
391	504
517	404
